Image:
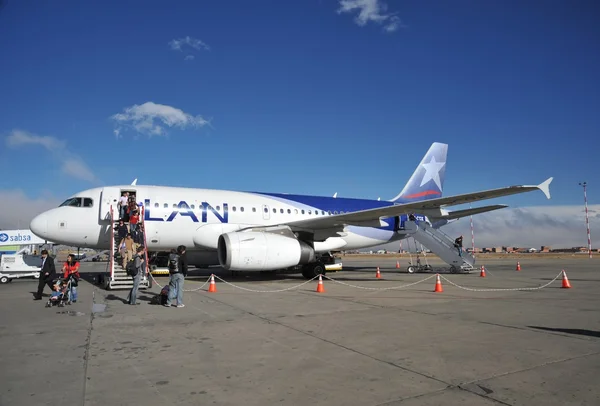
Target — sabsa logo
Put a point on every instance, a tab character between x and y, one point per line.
20	238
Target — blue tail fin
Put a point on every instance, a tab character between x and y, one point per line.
427	182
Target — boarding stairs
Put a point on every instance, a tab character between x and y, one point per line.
117	277
440	244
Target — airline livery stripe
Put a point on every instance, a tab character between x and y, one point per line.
421	194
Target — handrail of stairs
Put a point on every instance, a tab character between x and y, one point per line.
112	244
143	224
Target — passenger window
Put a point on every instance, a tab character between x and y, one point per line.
329	212
87	202
266	210
193	206
281	211
302	212
295	211
174	206
218	208
309	212
233	208
166	205
323	212
242	209
274	210
335	212
156	205
254	209
289	211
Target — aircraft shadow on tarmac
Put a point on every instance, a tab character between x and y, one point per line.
578	331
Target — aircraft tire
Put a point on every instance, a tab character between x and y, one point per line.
309	271
411	269
4	279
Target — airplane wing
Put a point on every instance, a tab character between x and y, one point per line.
372	217
469	212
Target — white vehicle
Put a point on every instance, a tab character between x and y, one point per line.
252	231
19	265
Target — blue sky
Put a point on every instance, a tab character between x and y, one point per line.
310	97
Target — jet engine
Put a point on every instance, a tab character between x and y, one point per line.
262	251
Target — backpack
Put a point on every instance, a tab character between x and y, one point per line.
130	267
173	263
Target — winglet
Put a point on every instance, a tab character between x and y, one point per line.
134	182
545	187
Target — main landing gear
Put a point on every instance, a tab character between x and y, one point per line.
311	270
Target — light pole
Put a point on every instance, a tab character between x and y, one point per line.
587	221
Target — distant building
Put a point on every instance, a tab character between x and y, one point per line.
545	248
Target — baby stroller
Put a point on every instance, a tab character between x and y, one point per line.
60	294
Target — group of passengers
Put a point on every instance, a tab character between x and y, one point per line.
178	267
129	232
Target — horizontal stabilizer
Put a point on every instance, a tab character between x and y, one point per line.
469	212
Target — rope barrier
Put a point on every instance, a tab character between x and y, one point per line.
372	288
185	290
266	291
500	289
366	287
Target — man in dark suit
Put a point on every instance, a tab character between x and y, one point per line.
47	274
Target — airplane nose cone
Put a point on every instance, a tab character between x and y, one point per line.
39	226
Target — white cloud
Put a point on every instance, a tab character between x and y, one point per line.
371	10
189	58
152	119
557	226
18	209
188	42
71	164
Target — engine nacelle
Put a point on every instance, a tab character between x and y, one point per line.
262	251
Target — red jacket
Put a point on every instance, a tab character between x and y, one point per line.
71	270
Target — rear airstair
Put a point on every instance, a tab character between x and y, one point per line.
440	244
117	277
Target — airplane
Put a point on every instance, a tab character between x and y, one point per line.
257	231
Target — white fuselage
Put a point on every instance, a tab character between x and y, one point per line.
192	217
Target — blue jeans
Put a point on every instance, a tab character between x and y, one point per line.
175	288
73	293
132	297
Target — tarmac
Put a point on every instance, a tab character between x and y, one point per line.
358	343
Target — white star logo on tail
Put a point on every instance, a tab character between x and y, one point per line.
432	171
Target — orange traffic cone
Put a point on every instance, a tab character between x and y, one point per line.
438	284
518	266
397	264
565	280
482	273
378	274
212	288
320	287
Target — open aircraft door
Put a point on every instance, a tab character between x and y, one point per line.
110	197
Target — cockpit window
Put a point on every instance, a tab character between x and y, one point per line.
73	202
87	202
